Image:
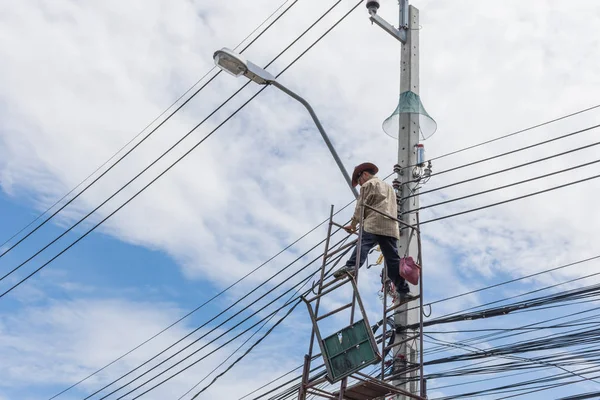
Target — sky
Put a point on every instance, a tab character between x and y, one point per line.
80	81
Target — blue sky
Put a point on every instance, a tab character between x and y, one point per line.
81	80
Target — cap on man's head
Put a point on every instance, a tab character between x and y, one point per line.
359	169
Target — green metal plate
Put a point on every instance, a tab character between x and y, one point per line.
349	351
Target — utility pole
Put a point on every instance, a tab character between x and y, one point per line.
406	355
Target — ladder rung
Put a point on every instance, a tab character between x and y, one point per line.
401	303
323	293
337	310
345	247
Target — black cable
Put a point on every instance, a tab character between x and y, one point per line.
194	310
551	341
245	342
511	281
514	151
535	290
512	134
272	381
529	360
205	356
150	124
196	351
552	386
507	135
171	166
486	379
498	336
592	290
511	200
511	388
508	185
510	329
333	261
582	396
214	318
505	169
249	350
487	338
139	143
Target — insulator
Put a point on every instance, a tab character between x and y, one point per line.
420	154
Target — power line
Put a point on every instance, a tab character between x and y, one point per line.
517	132
510	185
227	359
514	280
511	200
275	380
529	360
195	309
249	350
593	290
498	336
245	342
213	351
215	317
505	170
334	261
138	144
173	164
148	126
196	351
516	150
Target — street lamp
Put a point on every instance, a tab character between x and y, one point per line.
237	65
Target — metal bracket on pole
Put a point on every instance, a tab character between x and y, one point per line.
389	28
401	33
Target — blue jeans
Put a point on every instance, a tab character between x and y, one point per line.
389	248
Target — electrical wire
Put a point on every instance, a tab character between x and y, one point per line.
515	133
197	308
247	352
508	185
171	166
506	169
528	360
213	351
151	123
511	281
512	199
215	317
140	142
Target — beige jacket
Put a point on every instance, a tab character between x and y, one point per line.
382	197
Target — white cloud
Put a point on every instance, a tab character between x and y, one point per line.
79	80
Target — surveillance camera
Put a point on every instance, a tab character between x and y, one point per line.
372	5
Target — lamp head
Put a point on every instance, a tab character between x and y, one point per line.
236	65
231	62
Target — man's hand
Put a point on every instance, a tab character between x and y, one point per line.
350	229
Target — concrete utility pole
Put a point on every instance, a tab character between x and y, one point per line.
406	355
408	138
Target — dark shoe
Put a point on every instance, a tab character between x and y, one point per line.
343	271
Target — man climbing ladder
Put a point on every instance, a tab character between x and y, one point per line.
377	228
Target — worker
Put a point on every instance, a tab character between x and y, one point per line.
377	229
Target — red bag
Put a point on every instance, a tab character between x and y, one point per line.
410	270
